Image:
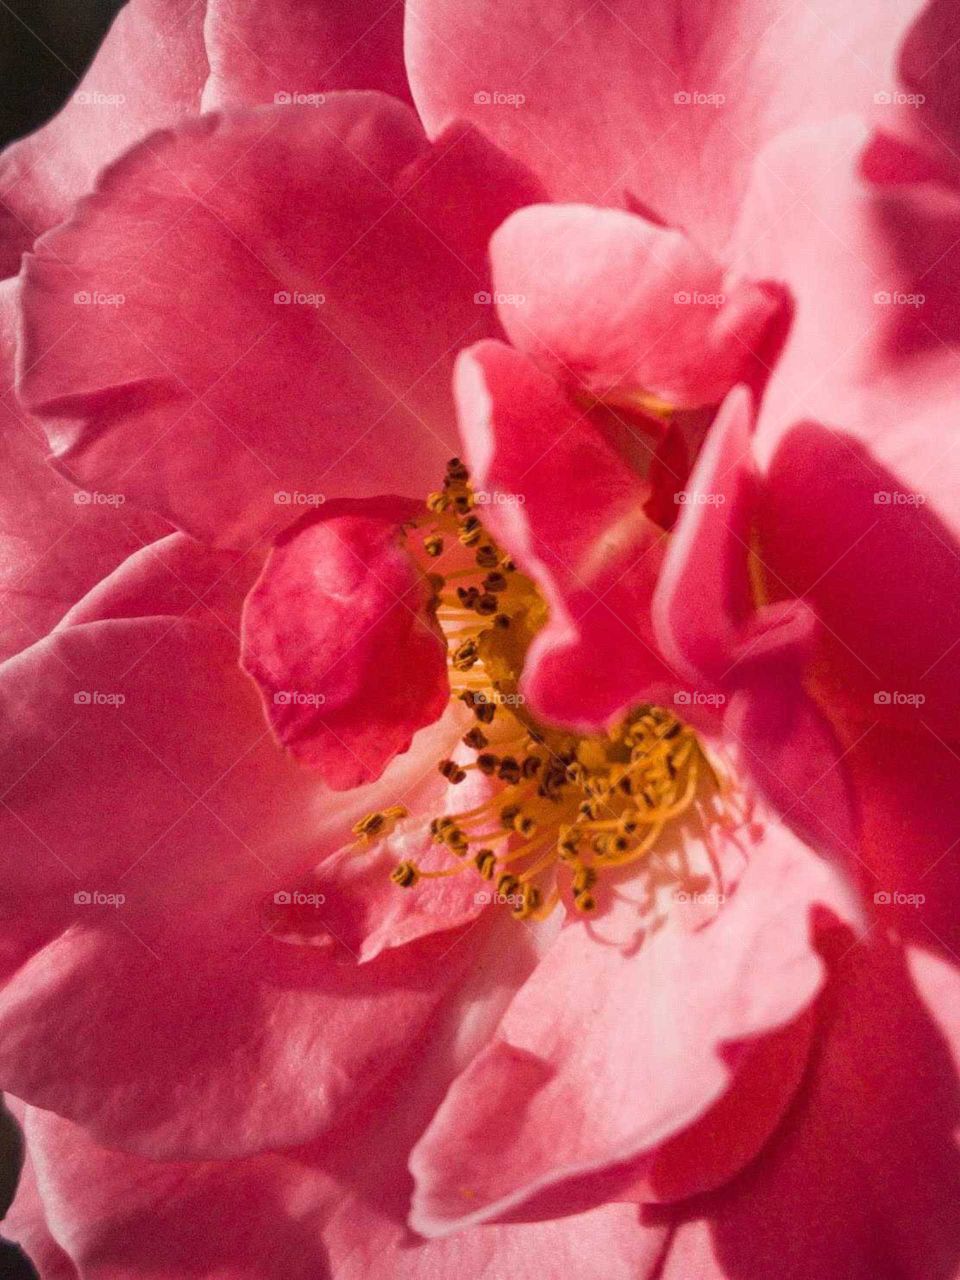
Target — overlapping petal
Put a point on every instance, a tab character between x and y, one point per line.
540	461
253	311
620	306
662	104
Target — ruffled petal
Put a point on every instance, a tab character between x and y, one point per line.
607	1054
860	513
254	313
148	73
148	822
538	463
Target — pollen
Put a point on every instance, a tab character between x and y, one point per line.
566	813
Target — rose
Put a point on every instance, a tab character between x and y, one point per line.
192	717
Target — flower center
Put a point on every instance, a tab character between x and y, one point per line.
567	809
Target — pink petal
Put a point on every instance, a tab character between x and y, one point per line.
605	1055
540	462
177	800
148	73
862	1179
276	300
164	60
275	1216
861	515
614	302
55	541
341	637
261	48
622	132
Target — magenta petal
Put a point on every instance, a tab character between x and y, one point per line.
539	464
341	637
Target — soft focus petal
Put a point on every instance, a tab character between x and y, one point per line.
664	102
165	60
615	303
541	462
341	637
255	312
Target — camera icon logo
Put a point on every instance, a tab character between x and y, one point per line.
82	898
282	898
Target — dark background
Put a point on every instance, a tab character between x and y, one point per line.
45	47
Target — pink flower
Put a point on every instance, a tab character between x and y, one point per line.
581	906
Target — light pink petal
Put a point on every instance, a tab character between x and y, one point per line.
259	49
253	313
860	515
273	1217
149	73
606	1054
862	1179
341	636
615	303
588	95
539	463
